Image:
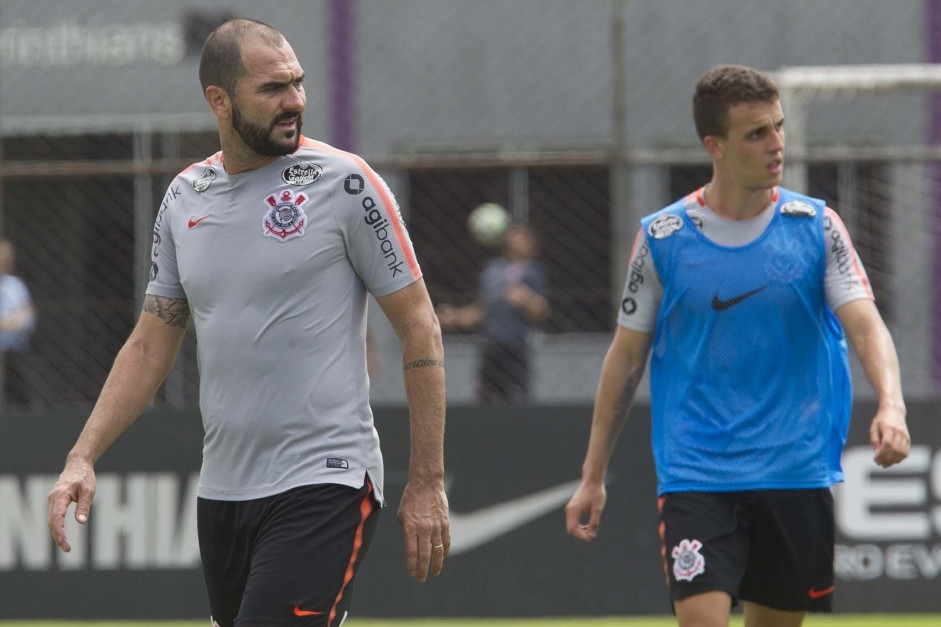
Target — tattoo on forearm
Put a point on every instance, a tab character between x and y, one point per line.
175	312
623	403
424	363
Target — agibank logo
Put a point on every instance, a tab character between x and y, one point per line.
355	185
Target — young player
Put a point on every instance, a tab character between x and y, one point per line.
741	294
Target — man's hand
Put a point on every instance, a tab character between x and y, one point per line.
588	500
76	484
889	437
426	530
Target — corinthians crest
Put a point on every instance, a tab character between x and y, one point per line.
285	218
687	560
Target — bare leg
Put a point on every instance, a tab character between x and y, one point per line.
763	616
709	609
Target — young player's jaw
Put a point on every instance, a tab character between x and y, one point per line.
757	143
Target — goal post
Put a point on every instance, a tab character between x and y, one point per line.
799	85
882	122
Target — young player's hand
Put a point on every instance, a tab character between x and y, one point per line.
889	437
76	485
583	512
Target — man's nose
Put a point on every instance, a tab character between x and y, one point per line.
294	99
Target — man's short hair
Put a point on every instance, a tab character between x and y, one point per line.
221	60
722	87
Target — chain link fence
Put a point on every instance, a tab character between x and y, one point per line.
457	104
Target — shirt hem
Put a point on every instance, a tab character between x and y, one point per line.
353	481
741	487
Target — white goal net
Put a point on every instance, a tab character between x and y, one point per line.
867	138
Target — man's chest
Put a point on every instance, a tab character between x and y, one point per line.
257	239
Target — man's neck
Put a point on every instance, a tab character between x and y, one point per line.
734	202
237	162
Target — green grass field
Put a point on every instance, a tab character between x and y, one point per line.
843	620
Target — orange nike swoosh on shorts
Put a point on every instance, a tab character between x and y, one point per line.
816	594
299	612
193	222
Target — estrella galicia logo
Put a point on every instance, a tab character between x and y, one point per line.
303	173
628	306
665	226
205	180
354	184
798	208
154	269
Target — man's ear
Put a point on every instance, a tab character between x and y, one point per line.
714	146
219	101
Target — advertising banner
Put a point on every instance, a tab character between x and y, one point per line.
510	472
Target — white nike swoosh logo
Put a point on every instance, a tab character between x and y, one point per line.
469	531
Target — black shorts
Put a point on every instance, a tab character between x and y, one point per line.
771	547
288	559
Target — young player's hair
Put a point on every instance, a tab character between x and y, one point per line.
724	86
221	60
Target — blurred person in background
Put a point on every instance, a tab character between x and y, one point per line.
271	247
17	321
746	293
510	301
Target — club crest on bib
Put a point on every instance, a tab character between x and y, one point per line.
285	218
665	226
798	208
687	560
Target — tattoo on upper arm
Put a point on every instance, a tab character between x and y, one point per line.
424	363
175	312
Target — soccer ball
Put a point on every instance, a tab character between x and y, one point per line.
488	223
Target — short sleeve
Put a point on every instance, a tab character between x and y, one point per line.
164	273
643	291
377	240
845	279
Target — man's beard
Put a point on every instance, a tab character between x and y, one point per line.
259	138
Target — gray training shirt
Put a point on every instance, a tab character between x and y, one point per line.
275	264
